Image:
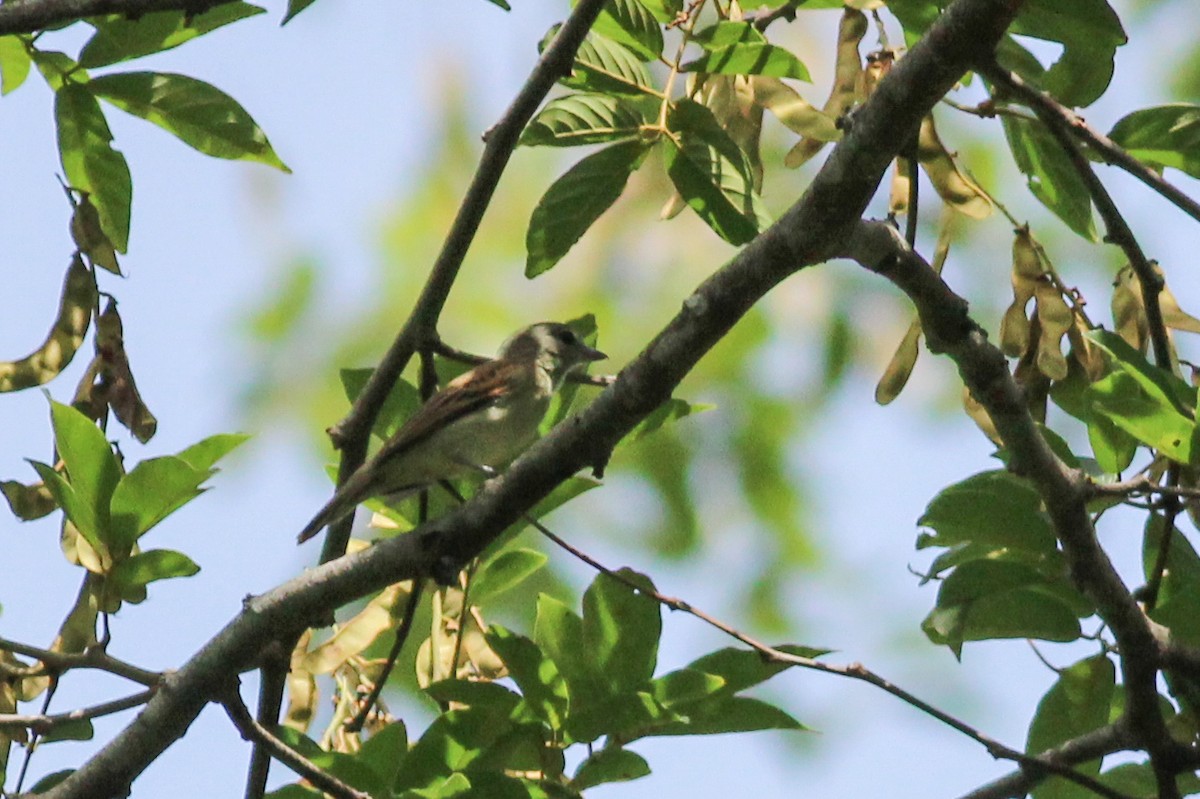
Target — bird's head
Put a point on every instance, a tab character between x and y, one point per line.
553	346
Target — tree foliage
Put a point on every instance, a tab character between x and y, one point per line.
670	101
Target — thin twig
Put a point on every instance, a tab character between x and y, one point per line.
855	671
31	16
41	723
94	657
1055	117
352	433
251	730
410	613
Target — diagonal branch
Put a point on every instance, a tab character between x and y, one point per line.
1058	122
1065	491
31	16
808	233
352	434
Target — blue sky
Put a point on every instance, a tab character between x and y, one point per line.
351	116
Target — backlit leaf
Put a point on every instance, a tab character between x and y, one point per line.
199	114
576	200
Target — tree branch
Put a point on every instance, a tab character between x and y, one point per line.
352	434
1065	491
1038	766
30	16
43	723
807	234
251	730
94	657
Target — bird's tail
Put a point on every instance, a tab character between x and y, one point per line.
334	510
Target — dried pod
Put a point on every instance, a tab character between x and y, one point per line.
846	81
952	185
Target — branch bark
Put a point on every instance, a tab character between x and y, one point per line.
810	232
31	16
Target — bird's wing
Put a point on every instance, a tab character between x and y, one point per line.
470	392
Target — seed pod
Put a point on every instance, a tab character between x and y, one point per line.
74	316
1056	319
89	236
1128	312
1027	272
846	80
952	185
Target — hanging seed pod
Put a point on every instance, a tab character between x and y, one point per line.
847	80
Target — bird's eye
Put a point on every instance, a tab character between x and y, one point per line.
566	336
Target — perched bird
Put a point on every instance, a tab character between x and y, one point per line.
481	420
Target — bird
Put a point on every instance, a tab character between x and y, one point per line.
478	423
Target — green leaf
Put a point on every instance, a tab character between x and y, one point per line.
576	200
1163	384
1179	593
543	689
742	668
203	455
1113	447
631	24
609	765
384	750
624	717
729	714
505	571
685	686
583	119
669	412
119	38
711	173
295	7
728	33
73	730
1050	175
153	490
199	114
607	67
136	571
89	161
1076	704
77	510
475	693
92	468
987	599
559	633
664	10
1148	403
753	58
1090	33
621	629
14	63
1163	135
402	401
452	743
995	508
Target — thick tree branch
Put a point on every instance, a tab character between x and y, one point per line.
807	234
30	16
